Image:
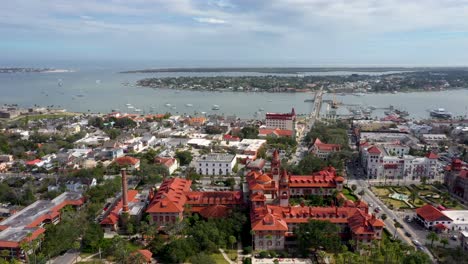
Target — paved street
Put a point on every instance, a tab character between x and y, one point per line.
370	198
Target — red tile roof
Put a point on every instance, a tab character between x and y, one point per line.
326	147
113	217
432	155
170	196
33	162
167	162
278	132
374	150
127	160
430	213
146	254
228	137
215	211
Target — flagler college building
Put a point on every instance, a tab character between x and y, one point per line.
273	218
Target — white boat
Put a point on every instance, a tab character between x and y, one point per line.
215	107
168	104
137	110
189	105
261	109
203	113
174	107
128	104
440	113
130	107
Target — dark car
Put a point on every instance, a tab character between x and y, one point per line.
407	234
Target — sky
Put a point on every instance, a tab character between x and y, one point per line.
237	33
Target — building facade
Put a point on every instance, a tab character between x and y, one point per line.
281	121
215	164
323	150
456	179
392	163
273	222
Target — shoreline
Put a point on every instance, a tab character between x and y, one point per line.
355	93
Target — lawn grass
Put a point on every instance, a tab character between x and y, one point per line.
218	258
382	192
349	195
402	190
232	253
396	204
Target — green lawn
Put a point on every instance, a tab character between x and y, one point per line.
381	191
402	190
218	258
349	194
232	253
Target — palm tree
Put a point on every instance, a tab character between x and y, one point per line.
413	195
444	242
432	236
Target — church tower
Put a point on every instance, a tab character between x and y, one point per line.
284	189
275	166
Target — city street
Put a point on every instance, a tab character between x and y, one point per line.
370	198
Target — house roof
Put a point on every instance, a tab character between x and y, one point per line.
113	217
33	162
326	147
278	132
146	254
430	213
215	211
127	160
374	150
167	162
432	155
170	196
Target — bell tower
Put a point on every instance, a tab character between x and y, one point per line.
284	189
275	166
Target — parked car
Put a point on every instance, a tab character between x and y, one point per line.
407	234
454	237
416	243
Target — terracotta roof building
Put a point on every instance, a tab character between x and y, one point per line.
128	162
170	163
27	224
274	219
286	121
262	133
323	150
456	179
431	216
174	198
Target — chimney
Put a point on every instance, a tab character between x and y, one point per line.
124	191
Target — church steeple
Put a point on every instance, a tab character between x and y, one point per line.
284	189
275	166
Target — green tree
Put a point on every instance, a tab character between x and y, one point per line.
432	236
416	257
413	195
315	234
184	157
309	164
383	217
232	241
353	187
444	242
202	258
92	237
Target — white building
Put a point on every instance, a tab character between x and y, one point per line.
392	162
459	219
282	121
215	164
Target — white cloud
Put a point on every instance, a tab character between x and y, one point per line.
209	20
